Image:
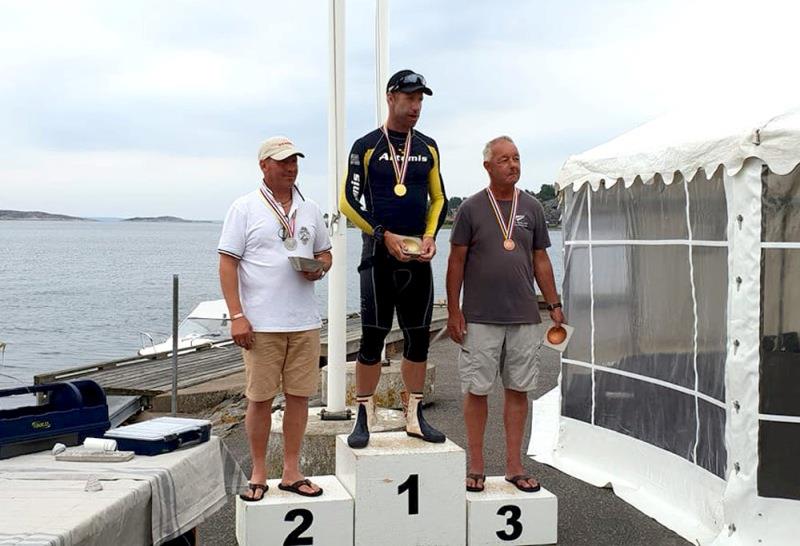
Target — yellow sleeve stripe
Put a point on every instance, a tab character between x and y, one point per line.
344	205
436	192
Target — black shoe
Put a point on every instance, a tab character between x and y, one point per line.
417	426
359	438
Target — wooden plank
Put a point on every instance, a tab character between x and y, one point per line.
146	370
159	387
165	385
164	376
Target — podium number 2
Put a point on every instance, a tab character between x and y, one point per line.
412	486
513	514
306	519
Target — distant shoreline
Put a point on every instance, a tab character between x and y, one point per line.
39	216
165	219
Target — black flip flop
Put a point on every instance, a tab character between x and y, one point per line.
255	487
295	488
522	477
476	478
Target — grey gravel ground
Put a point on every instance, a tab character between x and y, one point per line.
587	515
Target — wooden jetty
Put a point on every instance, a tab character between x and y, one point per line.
150	376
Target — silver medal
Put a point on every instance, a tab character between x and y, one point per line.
290	243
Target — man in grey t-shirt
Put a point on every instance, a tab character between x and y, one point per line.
498	246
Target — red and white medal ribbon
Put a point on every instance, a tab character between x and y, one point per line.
287	223
506	228
399	172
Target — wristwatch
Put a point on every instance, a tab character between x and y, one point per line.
378	233
553	306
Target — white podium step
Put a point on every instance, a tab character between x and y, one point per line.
407	491
282	518
502	514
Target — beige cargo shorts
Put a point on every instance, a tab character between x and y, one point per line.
511	351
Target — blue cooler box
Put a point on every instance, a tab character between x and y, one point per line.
160	435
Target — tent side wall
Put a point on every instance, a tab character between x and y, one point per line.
765	504
659	391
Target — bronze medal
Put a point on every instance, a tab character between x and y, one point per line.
506	228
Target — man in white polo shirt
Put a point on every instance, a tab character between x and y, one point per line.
273	310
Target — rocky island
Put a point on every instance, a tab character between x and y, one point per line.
164	219
38	215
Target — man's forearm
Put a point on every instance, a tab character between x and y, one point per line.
543	271
455	280
229	282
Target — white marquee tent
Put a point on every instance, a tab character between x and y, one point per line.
681	385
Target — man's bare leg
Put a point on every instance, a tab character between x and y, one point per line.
257	423
367	377
413	375
295	418
515	413
476	410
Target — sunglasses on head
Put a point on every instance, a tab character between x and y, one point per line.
409	79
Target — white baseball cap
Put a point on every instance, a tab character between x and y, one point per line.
277	148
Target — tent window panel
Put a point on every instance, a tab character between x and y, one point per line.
578	302
778	453
780	332
576	215
644	318
652	211
654	414
576	392
711	452
711	290
780	207
708	207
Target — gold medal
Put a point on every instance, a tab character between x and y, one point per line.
508	244
399	171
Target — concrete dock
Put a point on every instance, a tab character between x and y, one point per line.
587	515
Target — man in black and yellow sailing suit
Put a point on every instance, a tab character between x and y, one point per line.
394	193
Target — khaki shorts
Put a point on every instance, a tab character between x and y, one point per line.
290	356
508	350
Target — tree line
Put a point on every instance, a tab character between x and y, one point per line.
546	193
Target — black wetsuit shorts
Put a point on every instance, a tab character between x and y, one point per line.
389	285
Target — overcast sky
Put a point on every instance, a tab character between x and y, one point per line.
148	108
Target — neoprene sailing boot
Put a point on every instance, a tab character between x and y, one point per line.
416	425
365	420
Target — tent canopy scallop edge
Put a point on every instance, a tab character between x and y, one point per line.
681	144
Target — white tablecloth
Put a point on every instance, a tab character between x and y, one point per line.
147	500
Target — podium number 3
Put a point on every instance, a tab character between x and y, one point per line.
513	514
412	486
306	519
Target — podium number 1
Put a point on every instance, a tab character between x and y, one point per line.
306	519
412	486
513	514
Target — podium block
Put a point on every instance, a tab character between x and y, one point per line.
282	518
502	514
407	491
